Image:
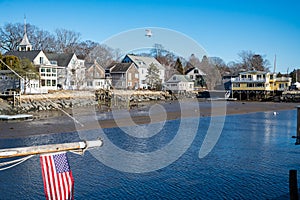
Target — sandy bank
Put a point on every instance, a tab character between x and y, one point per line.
59	122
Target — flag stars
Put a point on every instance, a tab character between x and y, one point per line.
61	163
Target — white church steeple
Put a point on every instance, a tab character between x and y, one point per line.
25	44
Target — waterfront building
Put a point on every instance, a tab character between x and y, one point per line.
179	84
123	75
198	76
47	72
143	63
255	85
95	77
70	70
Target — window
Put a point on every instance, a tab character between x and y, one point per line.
174	78
281	85
48	70
259	85
43	83
53	83
258	76
41	60
191	77
89	83
42	69
48	82
136	75
129	76
196	71
236	85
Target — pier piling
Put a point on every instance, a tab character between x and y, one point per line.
298	126
293	184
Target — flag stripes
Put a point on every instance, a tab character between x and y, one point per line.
57	176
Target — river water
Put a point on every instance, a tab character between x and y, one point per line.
251	160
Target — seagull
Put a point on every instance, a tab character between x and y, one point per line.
275	113
148	33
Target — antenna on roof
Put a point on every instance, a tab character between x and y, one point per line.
274	64
148	33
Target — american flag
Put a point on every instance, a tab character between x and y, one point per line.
57	176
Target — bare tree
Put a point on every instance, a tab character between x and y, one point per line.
251	61
84	48
11	36
193	62
213	76
66	40
42	40
220	65
103	54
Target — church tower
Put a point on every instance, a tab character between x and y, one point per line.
25	44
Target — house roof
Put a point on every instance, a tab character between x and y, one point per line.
200	72
253	72
88	65
30	55
144	61
63	59
120	67
179	78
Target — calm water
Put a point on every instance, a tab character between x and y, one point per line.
251	160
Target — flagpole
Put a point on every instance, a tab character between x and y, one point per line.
50	148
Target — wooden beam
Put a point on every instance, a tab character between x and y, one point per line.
50	148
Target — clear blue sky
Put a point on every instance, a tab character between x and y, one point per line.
223	28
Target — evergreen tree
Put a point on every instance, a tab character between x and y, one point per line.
179	66
152	77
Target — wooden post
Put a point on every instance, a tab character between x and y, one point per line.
298	126
293	184
14	94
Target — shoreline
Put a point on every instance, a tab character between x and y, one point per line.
53	122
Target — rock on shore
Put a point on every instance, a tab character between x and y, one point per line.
66	99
